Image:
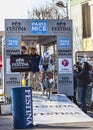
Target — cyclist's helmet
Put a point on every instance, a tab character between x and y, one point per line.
46	54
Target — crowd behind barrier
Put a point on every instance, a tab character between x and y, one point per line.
83	85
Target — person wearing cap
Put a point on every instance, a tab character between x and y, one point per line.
23	50
24	74
34	60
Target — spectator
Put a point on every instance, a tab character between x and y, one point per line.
23	50
91	75
83	78
78	66
34	68
91	88
24	74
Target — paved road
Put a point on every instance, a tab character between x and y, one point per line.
6	123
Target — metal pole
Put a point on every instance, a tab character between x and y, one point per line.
67	8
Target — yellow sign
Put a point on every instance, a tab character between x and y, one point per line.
23	82
87	44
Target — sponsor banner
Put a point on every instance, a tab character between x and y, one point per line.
63	27
13	42
22	97
8	67
64	65
65	53
12	52
39	27
64	43
19	63
13	80
58	109
15	26
65	80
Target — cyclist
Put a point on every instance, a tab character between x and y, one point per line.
45	62
46	65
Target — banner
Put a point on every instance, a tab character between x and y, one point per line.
19	63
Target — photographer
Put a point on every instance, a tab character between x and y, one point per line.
83	78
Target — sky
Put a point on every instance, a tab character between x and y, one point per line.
17	9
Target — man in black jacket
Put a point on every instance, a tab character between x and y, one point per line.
83	78
34	60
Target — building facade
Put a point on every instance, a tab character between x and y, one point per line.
1	35
81	12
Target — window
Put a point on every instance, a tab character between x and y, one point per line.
86	20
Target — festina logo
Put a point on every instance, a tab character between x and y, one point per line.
29	118
16	26
61	26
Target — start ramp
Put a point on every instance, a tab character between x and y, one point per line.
57	109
